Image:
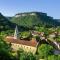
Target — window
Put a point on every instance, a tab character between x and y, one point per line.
24	46
30	47
18	45
27	47
21	45
13	44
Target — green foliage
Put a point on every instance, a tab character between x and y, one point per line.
25	56
39	19
57	38
4	50
40	29
54	57
5	33
44	50
27	21
38	39
25	35
5	24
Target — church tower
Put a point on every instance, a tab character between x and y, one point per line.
16	33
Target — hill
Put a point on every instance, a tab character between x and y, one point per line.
58	20
5	24
31	19
9	18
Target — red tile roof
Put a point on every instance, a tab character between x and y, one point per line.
18	41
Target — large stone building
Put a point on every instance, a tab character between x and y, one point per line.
16	43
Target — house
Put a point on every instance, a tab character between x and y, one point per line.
16	43
52	35
56	52
36	33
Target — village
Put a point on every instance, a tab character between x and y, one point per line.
29	30
32	45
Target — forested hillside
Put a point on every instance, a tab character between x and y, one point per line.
32	19
27	20
5	24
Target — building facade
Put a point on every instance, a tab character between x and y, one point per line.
26	45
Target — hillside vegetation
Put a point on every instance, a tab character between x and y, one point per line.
5	24
25	21
32	19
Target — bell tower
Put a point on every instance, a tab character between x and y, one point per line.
16	33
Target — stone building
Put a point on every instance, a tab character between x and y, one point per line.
16	43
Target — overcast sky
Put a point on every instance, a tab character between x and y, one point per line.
11	7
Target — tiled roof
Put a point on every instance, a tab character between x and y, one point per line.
18	41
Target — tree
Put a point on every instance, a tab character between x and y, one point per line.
25	35
38	39
54	57
5	50
44	50
22	55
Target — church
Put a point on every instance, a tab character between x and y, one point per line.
16	43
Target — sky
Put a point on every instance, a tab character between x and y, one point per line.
12	7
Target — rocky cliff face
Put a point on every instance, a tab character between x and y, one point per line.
30	19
